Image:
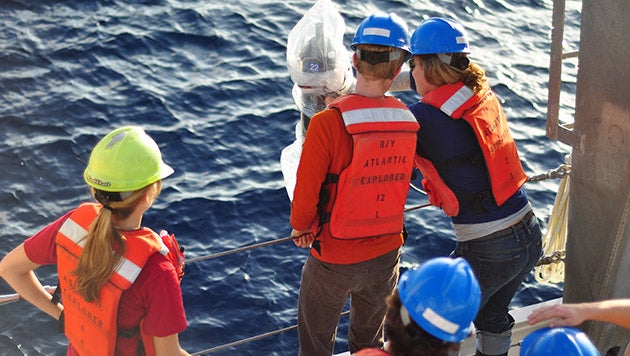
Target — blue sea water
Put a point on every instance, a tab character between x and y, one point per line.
208	80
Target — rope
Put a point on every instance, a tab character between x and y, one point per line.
250	339
560	172
417	189
8	298
267	243
418	207
250	247
240	249
550	269
553	260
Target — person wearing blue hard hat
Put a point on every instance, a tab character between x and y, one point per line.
354	239
565	341
614	311
432	310
471	169
387	30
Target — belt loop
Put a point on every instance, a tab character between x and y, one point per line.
515	234
526	221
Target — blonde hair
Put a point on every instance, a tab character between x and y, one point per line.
97	261
439	73
383	70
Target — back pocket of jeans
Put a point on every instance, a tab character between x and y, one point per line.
496	271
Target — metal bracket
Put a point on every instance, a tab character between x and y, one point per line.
555	131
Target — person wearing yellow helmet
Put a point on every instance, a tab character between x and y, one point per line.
116	277
127	159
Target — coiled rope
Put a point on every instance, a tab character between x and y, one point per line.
550	268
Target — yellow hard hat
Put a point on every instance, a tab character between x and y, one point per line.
125	160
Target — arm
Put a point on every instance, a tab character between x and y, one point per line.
168	346
616	311
312	170
17	269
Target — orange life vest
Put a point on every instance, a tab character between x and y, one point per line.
485	115
372	189
91	327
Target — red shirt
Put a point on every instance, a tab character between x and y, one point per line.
328	149
155	296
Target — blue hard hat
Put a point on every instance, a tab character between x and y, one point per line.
564	341
442	296
439	35
384	30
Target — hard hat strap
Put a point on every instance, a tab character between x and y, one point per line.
377	57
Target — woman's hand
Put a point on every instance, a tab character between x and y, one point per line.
17	270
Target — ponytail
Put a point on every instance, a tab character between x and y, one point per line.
105	245
439	73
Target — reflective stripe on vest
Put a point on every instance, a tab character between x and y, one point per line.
372	189
379	118
362	114
91	327
126	269
458	99
484	114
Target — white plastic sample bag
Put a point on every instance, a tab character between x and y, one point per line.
319	65
317	59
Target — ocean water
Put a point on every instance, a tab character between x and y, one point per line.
208	80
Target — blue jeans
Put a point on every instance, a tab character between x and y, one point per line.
501	261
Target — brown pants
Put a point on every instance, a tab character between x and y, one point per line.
324	290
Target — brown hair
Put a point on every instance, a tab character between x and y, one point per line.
383	70
97	261
411	340
439	73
